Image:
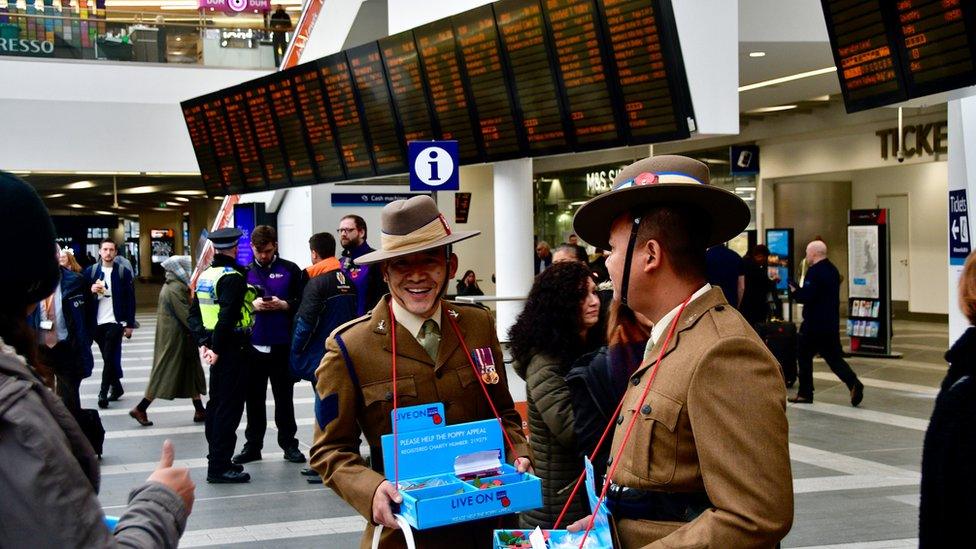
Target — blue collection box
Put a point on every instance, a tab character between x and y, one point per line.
454	473
598	538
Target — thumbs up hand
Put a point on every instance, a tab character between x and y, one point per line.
176	479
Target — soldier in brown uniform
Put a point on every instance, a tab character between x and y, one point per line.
707	463
354	383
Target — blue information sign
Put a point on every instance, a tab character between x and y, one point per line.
433	165
959	246
244	220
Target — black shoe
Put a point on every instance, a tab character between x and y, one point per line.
236	467
857	393
801	400
246	456
309	472
313	480
229	476
102	401
115	395
294	455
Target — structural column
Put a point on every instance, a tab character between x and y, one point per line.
513	238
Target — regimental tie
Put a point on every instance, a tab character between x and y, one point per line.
430	338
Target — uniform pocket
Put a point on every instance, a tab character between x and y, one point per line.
466	402
655	440
378	398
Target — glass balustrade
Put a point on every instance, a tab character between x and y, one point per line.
82	29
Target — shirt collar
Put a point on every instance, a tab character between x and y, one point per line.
413	322
662	325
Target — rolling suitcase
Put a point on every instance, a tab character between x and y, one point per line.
781	340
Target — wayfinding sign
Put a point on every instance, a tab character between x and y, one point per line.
959	246
433	165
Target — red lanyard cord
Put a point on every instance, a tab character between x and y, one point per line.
633	419
477	375
481	382
396	444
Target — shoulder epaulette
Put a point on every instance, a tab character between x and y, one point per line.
351	323
476	305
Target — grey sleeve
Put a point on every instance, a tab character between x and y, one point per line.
155	517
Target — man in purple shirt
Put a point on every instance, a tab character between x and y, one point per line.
368	280
279	284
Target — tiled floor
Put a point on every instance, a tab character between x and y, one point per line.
855	470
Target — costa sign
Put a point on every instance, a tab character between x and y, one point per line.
235	6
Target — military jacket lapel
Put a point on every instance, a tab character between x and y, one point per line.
692	313
407	345
449	340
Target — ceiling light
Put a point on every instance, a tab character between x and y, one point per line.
20	172
737	189
103	212
188	192
790	78
55	195
757	54
177	204
163	209
181	199
75	206
81	185
778	108
145	189
820	98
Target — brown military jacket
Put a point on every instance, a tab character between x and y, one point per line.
356	397
714	421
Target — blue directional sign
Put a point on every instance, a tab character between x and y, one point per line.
959	246
433	165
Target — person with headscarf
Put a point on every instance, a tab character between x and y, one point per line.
176	370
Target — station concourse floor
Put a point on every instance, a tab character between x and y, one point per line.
855	470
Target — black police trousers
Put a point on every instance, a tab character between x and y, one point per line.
228	389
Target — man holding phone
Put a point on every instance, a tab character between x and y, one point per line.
113	313
279	283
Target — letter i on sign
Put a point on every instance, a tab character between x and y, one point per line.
433	166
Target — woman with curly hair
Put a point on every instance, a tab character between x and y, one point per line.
560	323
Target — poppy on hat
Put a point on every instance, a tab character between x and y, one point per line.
659	181
410	226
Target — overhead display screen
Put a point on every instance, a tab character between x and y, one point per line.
510	79
448	96
523	32
887	52
407	86
481	59
377	108
582	66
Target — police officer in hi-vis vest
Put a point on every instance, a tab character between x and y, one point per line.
221	316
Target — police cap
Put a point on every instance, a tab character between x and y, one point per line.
225	238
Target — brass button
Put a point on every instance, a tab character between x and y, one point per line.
635	381
389	396
646	409
720	308
620	419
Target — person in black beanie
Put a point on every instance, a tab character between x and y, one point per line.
57	473
949	453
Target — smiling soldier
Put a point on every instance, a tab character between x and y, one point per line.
432	338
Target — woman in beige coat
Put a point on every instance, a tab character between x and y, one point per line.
176	371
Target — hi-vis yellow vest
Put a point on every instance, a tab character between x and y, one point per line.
207	298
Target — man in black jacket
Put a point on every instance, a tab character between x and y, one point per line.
819	332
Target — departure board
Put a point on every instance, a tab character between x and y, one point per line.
377	107
268	143
452	115
243	134
222	147
407	86
196	125
891	51
291	131
315	117
583	69
523	33
481	59
936	41
345	113
866	63
643	74
509	79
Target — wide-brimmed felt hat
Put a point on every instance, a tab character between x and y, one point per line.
411	226
658	181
